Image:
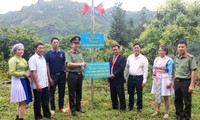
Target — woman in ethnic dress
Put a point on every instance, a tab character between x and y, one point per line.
162	80
20	85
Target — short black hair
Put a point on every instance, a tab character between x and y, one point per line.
164	48
54	39
37	44
182	42
116	45
137	44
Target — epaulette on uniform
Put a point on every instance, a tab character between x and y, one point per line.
189	55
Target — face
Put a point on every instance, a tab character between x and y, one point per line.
55	44
182	48
161	52
40	50
136	49
75	46
115	50
19	52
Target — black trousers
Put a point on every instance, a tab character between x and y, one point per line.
41	98
135	82
60	81
75	90
117	90
183	109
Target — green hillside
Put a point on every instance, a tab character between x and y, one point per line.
63	17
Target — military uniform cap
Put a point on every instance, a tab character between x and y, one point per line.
75	39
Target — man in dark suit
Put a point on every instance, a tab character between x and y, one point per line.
116	79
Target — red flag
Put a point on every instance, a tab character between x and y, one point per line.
85	9
101	8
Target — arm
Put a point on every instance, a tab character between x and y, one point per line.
121	68
69	62
32	67
193	67
170	68
12	64
35	79
145	68
47	58
49	76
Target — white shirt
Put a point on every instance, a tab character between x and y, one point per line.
137	66
38	63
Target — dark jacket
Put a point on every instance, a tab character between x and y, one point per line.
118	69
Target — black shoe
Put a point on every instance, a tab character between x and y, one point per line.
80	110
129	109
139	110
17	117
73	113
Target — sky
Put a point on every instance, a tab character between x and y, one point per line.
131	5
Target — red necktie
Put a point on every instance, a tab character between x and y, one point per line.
113	63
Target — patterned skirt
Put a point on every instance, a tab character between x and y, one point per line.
20	90
159	87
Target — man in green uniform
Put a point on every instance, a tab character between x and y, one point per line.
185	68
75	64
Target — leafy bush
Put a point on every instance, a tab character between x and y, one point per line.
3	68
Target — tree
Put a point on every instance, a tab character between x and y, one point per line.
118	30
175	21
10	35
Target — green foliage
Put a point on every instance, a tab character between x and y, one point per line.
11	35
3	68
118	30
102	55
102	103
175	20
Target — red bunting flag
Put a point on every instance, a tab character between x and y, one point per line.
101	8
85	9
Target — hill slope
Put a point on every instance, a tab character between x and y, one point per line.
63	17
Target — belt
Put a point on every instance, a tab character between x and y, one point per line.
77	73
182	79
136	76
57	73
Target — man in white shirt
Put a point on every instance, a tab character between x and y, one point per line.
137	72
38	68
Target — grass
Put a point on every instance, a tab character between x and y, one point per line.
102	103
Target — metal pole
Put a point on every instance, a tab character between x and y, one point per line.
92	81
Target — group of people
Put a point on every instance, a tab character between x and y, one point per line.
46	72
169	77
49	71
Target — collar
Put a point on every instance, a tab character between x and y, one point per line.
54	50
183	56
38	56
18	57
137	56
116	56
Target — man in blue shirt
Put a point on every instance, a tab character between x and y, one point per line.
55	59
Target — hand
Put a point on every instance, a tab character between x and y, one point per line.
143	85
51	82
154	73
168	86
26	75
83	64
70	51
38	87
191	88
112	76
